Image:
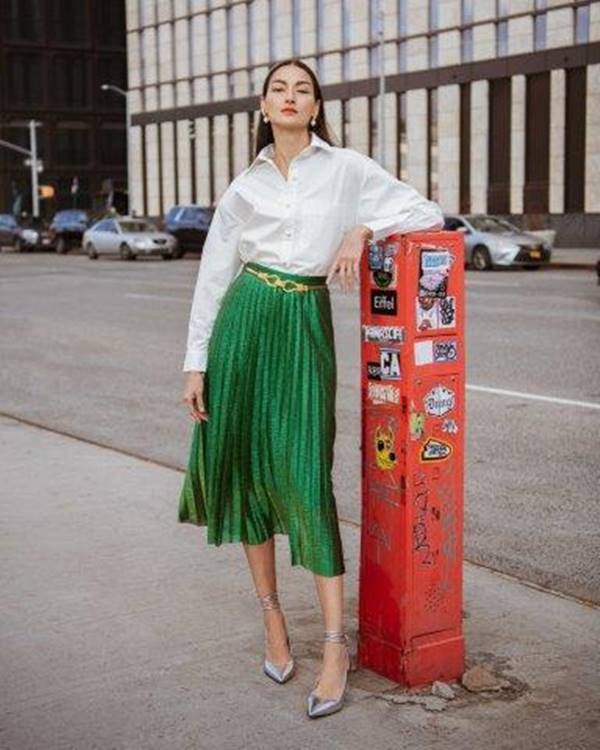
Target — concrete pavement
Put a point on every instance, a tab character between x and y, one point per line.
123	629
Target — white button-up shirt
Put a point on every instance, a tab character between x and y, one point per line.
297	224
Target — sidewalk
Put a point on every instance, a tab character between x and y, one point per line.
577	258
122	629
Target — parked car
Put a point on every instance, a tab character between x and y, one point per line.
31	234
8	229
189	224
67	228
128	237
491	242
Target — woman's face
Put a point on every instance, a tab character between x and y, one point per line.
290	98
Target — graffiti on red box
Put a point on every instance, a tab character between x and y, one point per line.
429	351
383	334
433	279
439	401
389	363
382	451
382	393
423	515
383	302
434	449
435	314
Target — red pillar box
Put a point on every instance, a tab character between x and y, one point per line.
413	426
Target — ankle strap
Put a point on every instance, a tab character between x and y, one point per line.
269	601
336	636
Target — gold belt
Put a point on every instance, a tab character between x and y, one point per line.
287	285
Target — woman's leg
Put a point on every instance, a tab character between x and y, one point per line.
261	559
331	597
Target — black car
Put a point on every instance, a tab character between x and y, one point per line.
30	234
189	224
67	228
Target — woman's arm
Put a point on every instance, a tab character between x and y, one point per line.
219	264
387	205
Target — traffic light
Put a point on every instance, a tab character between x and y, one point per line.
46	191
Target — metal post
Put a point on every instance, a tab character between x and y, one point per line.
381	128
129	153
35	197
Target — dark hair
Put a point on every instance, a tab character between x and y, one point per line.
264	131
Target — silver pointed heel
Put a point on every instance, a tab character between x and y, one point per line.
318	706
275	672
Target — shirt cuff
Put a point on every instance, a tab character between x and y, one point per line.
195	359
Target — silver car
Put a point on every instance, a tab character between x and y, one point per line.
129	238
491	242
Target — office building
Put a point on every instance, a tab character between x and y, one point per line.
490	106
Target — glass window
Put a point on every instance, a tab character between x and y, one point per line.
25	79
136	226
22	20
346	38
71	81
434	24
69	21
112	140
111	23
582	24
466	37
502	38
539	26
296	28
73	144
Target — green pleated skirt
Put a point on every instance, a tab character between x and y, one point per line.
262	463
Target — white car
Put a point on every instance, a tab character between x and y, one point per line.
129	238
491	242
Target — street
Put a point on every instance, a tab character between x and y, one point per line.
94	350
122	628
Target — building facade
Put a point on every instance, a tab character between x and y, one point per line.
490	105
54	56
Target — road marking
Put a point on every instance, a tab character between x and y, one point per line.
533	396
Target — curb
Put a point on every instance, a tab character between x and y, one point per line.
565	265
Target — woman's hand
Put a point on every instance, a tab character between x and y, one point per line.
347	258
193	395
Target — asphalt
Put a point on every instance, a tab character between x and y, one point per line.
122	628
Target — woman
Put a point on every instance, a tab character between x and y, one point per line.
260	360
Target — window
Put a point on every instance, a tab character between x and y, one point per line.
539	26
70	81
111	23
22	20
25	79
374	38
402	30
502	11
296	28
73	144
582	24
466	40
112	139
69	21
434	24
346	38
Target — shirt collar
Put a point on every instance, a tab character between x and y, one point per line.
267	152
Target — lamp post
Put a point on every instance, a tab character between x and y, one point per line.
122	92
379	10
